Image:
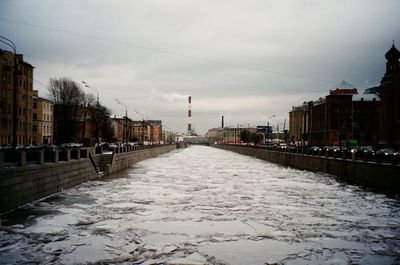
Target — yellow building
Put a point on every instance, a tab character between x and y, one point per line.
228	134
42	119
24	101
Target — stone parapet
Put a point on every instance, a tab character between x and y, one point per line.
383	177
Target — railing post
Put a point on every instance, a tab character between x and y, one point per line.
68	155
55	156
21	159
78	154
40	157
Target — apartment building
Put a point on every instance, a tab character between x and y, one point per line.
42	119
23	103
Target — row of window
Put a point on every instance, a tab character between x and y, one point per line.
46	129
8	78
21	126
46	117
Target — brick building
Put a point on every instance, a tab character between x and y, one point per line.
24	100
389	91
342	115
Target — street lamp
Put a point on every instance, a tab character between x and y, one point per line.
98	110
126	120
14	117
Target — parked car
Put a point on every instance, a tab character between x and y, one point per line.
314	148
50	147
326	148
365	150
335	148
330	149
283	146
385	152
6	147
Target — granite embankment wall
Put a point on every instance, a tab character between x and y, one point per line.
382	177
125	160
24	182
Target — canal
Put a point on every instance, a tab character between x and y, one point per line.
202	205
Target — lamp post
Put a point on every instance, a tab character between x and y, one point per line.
14	117
126	120
98	110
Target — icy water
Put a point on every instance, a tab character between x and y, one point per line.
206	206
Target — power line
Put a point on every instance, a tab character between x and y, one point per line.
174	53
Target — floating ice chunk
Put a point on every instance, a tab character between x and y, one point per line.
193	259
149	262
169	249
337	261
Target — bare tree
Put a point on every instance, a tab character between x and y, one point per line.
100	116
68	97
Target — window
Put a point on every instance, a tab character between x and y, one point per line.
4	123
34	116
35	105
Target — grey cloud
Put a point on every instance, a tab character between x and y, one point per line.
261	56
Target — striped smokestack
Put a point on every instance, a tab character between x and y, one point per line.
189	130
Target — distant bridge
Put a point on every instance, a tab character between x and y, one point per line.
197	140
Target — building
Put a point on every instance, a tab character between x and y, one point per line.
139	131
122	128
149	131
228	134
42	120
154	131
341	116
389	91
297	124
23	104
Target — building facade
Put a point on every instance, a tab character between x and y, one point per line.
389	91
22	105
122	129
297	124
42	120
147	131
154	128
341	116
228	134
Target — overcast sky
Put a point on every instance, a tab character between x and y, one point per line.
246	60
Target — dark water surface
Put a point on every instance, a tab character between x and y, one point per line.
206	206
